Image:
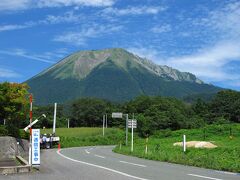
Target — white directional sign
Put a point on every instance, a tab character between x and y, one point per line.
132	123
35	146
117	115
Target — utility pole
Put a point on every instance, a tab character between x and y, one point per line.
30	136
54	118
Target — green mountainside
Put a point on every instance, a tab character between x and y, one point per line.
112	74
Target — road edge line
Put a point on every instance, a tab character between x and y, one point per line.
101	167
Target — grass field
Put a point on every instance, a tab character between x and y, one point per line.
160	147
75	137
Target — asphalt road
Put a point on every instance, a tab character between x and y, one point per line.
91	163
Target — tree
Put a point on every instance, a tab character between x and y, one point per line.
88	112
13	105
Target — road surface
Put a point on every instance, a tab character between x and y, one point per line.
91	163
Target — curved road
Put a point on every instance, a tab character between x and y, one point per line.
91	163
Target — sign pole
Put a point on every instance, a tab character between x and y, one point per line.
132	134
126	130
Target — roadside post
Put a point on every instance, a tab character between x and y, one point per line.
184	143
126	130
68	123
146	148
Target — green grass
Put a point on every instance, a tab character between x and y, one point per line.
75	137
225	157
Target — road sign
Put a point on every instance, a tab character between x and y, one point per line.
117	115
132	123
35	146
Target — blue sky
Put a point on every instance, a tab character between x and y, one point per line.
201	37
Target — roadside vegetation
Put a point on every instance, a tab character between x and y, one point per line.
75	137
160	147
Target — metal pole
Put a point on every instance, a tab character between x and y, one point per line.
54	118
30	136
103	124
132	137
68	123
126	130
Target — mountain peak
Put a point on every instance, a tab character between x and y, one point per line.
113	74
78	65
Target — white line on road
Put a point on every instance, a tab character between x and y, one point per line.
205	177
140	165
99	156
101	167
87	151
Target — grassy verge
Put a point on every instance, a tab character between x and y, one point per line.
75	137
225	157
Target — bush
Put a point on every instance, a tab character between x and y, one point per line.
3	131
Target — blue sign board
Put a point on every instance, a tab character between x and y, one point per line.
35	146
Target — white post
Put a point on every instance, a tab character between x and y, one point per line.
4	122
103	124
126	130
146	148
68	123
132	134
54	118
184	143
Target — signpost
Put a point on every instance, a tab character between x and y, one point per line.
132	123
36	147
117	115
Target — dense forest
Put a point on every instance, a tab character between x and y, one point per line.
152	112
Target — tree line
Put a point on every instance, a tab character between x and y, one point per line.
152	112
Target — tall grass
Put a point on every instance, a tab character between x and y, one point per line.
160	147
75	137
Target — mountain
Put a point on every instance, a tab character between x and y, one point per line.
113	74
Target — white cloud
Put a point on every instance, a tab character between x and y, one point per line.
161	29
24	54
8	5
209	63
58	3
80	37
134	10
10	27
67	17
7	73
11	5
